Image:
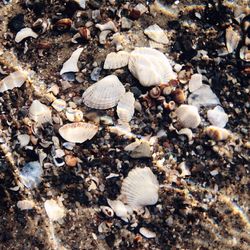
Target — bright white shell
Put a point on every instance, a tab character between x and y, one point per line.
217	117
39	112
53	210
195	82
150	66
116	60
157	34
24	33
71	64
125	108
147	233
119	208
140	188
13	80
78	132
188	116
104	94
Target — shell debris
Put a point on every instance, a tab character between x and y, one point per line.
116	60
217	133
232	39
25	33
54	211
157	34
125	108
195	82
217	117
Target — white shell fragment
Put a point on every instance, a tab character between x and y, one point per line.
195	82
59	105
188	116
203	96
119	208
217	133
150	66
186	131
217	117
31	174
104	94
107	26
53	210
147	233
71	64
232	39
23	139
24	33
25	204
103	36
78	132
140	188
125	108
74	115
157	34
116	60
39	112
13	80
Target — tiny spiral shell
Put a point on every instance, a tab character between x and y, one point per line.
155	92
179	96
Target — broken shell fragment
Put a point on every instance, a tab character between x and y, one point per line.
78	132
195	82
59	105
119	208
186	131
71	64
13	80
25	204
107	26
188	116
157	34
23	139
107	211
179	96
147	233
104	94
245	53
217	117
140	188
232	39
116	60
74	115
39	112
103	35
217	133
24	33
54	211
85	33
142	150
125	108
150	66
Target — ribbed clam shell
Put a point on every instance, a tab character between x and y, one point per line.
78	132
125	108
157	34
150	66
104	94
39	112
217	133
188	116
140	188
13	80
116	60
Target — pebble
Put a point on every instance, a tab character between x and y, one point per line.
71	160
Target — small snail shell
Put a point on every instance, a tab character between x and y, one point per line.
107	211
167	90
170	105
179	96
155	92
217	133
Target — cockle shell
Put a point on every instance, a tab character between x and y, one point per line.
71	64
217	117
24	33
54	210
78	132
104	94
125	108
232	39
116	60
140	188
157	34
13	80
39	112
188	116
150	66
217	133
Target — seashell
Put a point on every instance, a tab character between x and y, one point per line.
107	211
54	211
126	107
107	26
157	34
132	146
103	36
78	132
217	117
64	23
122	129
13	80
140	188
179	96
155	92
186	131
24	33
23	139
245	53
41	26
118	40
39	112
25	204
150	66
147	233
232	39
119	208
85	33
116	60
167	90
71	160
59	105
74	115
195	82
169	105
104	94
188	116
82	3
31	174
71	64
142	150
217	133
126	23
203	96
141	8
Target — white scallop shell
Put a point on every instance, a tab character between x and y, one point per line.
217	133
104	94
150	66
39	112
78	132
24	33
54	210
71	64
140	188
125	108
217	117
13	80
116	60
195	82
188	116
157	34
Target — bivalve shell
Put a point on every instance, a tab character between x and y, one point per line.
232	39
119	208
217	133
147	233
78	132
157	34
125	108
25	204
39	112
104	94
116	60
